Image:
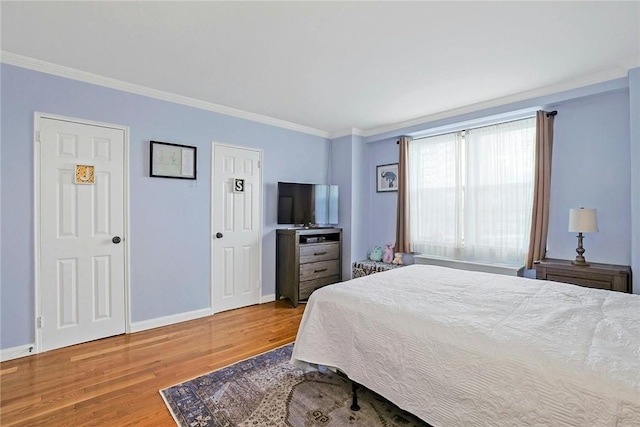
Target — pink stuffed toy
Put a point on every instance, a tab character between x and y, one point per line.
387	255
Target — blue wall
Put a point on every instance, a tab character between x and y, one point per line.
383	212
170	219
349	158
596	151
634	115
341	175
591	168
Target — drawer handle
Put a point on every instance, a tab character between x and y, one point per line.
320	253
320	271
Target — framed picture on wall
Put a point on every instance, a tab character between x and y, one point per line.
172	160
387	178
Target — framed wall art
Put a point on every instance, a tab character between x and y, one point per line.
387	178
172	160
85	174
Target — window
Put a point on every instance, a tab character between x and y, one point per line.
471	192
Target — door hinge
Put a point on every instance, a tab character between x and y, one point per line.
39	322
38	136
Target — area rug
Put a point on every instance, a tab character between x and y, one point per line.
267	390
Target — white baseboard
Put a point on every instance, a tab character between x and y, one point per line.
17	352
267	298
169	320
29	349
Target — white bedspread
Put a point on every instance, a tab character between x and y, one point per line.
461	348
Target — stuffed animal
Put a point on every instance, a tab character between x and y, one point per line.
398	259
387	255
375	254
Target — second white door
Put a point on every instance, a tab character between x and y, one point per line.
236	221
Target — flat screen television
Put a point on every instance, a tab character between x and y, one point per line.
307	204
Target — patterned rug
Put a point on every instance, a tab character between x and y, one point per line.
267	390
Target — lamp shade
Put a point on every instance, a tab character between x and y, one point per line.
583	220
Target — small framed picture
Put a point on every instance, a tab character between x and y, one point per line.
85	174
238	185
172	160
387	178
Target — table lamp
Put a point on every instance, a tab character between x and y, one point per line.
582	221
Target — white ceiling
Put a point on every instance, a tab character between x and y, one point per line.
333	66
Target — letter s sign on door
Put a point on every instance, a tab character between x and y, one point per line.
238	185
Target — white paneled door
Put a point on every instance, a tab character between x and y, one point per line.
80	244
236	221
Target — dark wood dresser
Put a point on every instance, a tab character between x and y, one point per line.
307	259
600	276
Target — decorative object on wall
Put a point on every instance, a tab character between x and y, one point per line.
397	260
582	221
375	254
172	160
387	177
387	254
238	185
85	174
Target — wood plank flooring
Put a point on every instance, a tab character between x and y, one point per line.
115	381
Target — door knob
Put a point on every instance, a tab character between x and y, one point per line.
116	240
219	235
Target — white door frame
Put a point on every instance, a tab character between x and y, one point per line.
212	225
38	117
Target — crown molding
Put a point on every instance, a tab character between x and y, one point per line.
74	74
96	79
592	79
630	62
346	132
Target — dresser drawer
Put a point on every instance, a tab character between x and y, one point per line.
317	270
320	252
307	259
309	286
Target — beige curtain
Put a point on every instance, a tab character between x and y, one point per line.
403	239
542	187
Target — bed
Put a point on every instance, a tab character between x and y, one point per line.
461	348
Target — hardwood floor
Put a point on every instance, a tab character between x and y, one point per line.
115	381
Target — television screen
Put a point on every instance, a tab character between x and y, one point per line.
307	204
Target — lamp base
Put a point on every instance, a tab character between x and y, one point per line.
580	261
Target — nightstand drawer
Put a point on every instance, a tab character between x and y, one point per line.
580	281
316	270
320	252
600	276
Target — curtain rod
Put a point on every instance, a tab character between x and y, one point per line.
549	114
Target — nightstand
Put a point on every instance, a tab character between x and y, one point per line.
600	276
